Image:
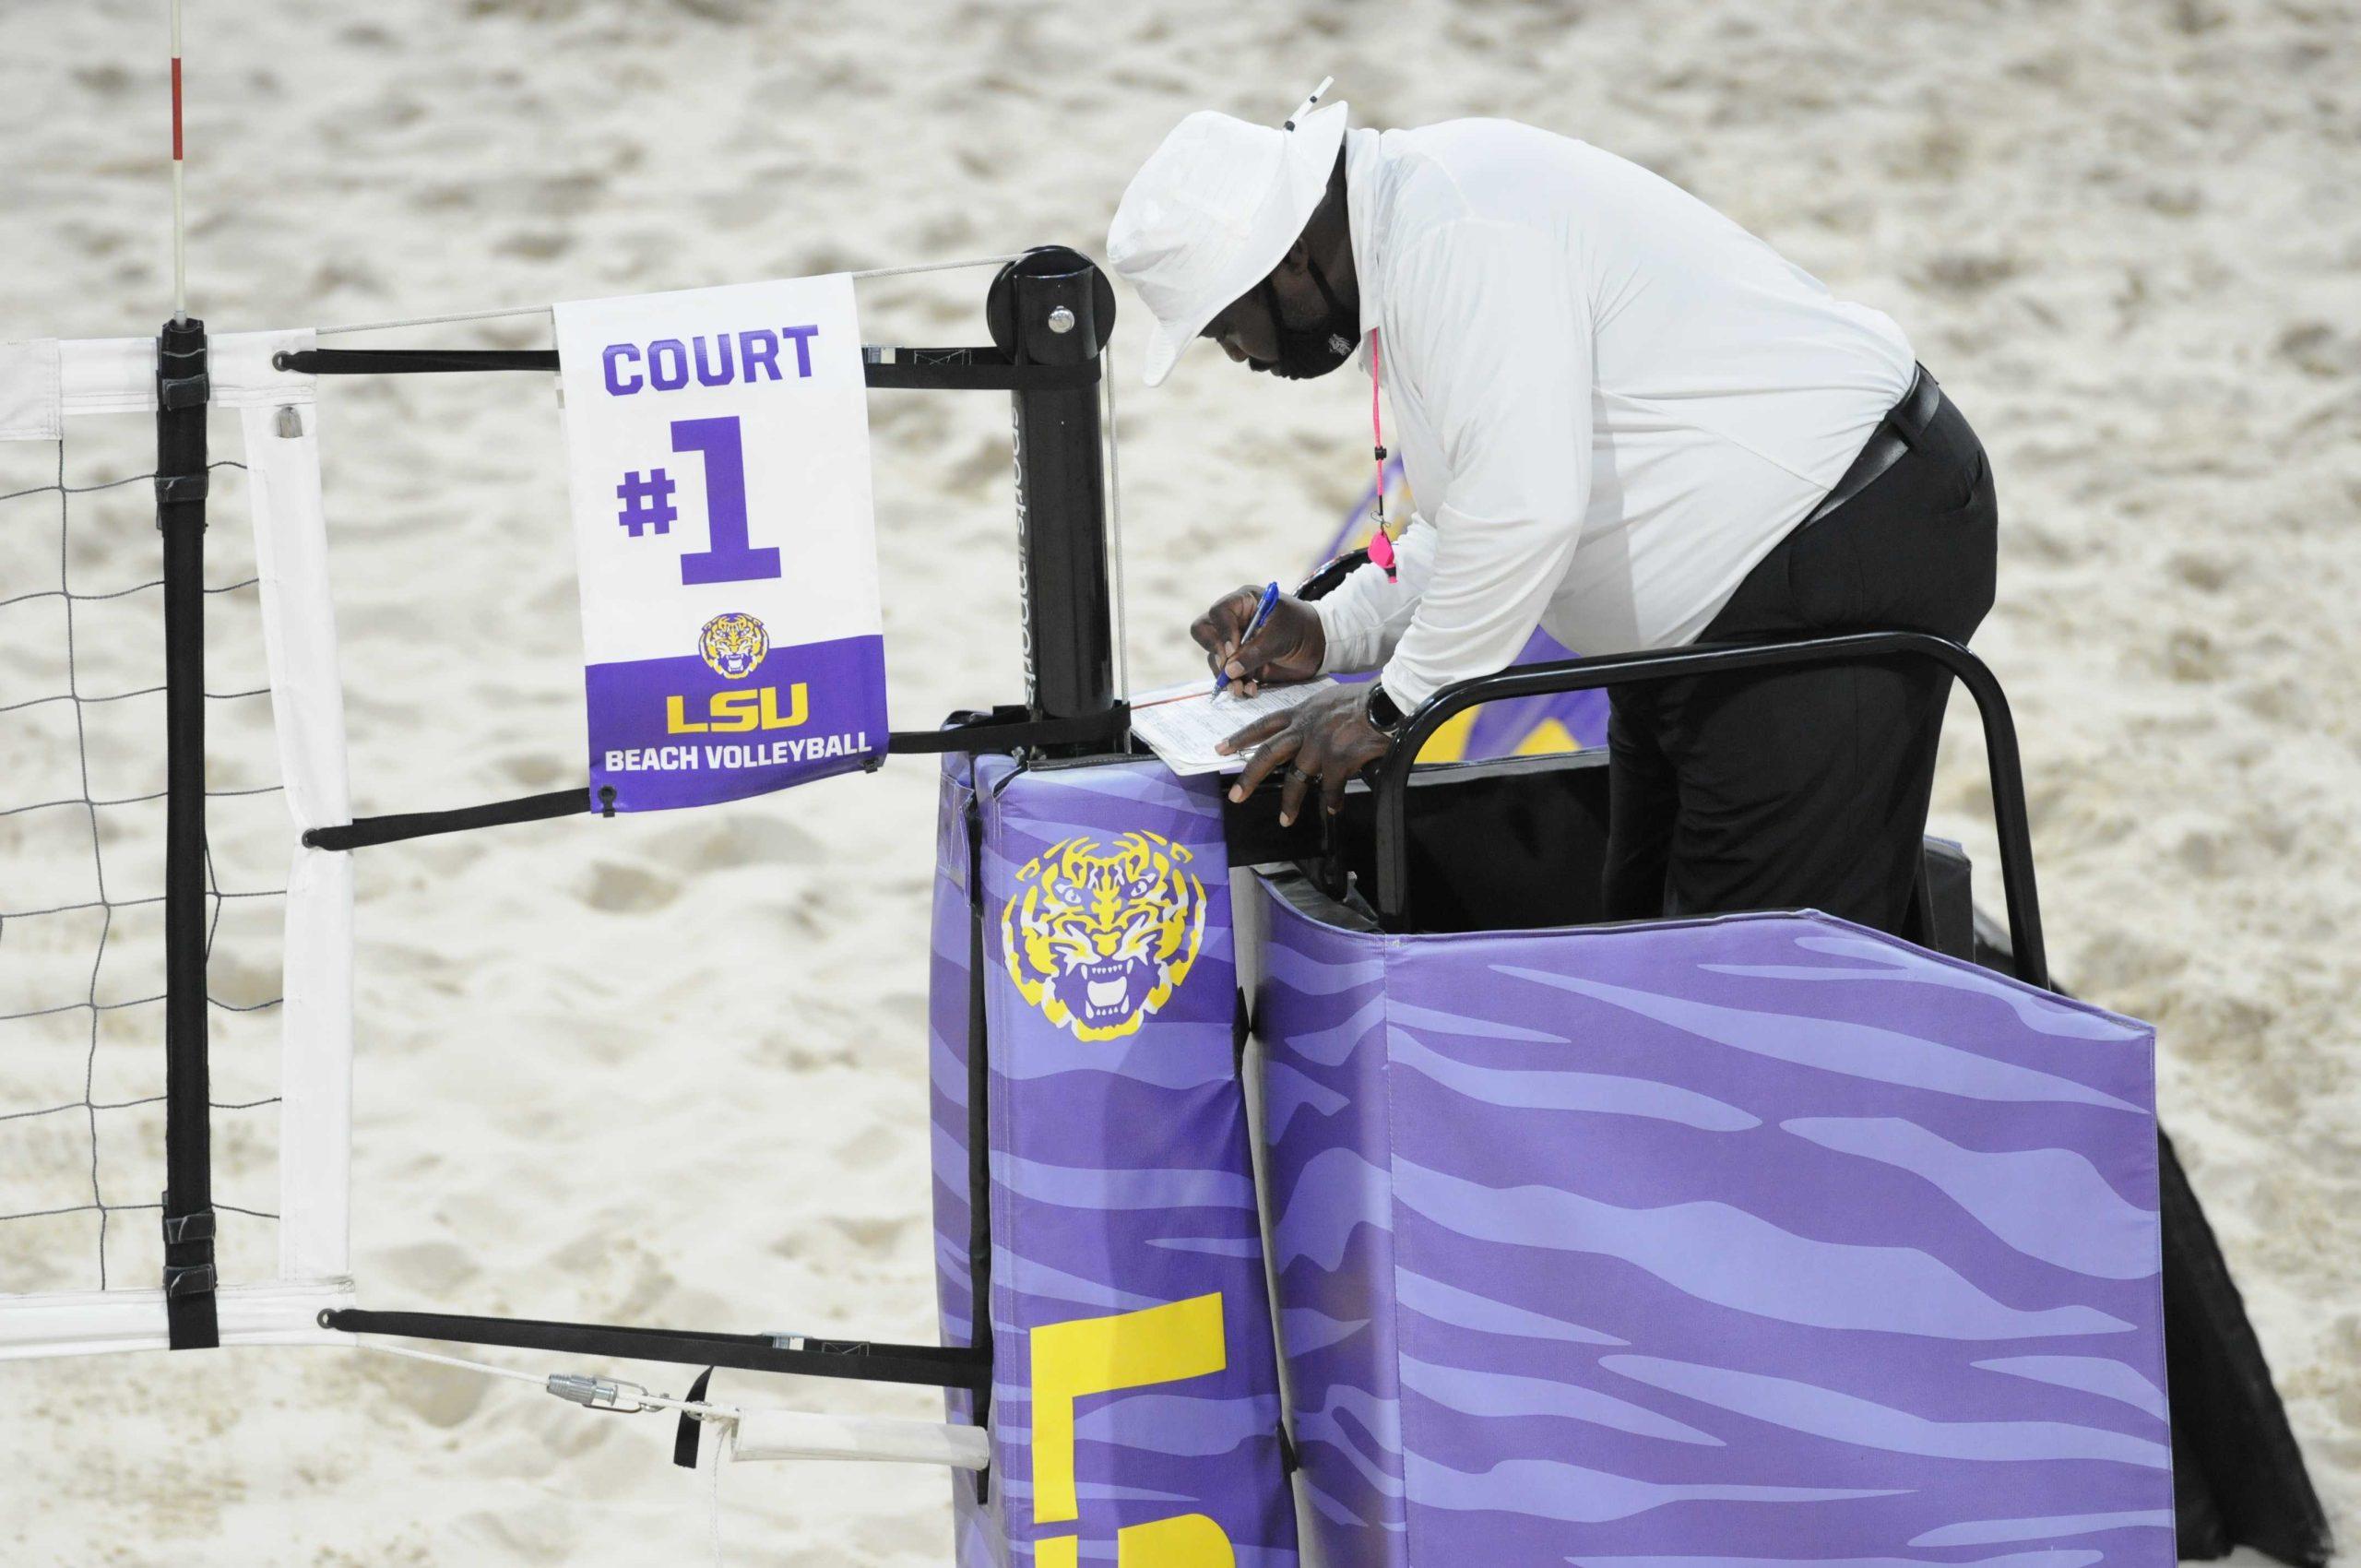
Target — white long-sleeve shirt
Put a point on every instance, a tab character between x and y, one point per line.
1611	401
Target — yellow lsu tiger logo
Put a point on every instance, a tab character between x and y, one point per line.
734	644
1099	941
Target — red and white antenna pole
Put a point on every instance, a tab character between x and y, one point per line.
180	224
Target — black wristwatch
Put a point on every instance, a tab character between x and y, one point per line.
1384	715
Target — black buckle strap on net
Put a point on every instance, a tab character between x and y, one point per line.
410	362
177	489
1001	729
181	389
863	1360
976	369
180	378
187	1237
364	832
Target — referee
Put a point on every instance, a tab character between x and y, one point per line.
1625	420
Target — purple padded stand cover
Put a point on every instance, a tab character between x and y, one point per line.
1757	1241
1134	1410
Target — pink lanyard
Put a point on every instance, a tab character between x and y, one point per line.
1380	543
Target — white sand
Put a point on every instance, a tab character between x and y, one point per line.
670	1070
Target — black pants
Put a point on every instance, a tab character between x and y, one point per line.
1807	789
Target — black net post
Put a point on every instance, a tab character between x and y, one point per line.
182	394
1053	307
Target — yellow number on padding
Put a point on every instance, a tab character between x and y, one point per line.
1192	1540
1097	1355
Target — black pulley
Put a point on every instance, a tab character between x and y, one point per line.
1048	261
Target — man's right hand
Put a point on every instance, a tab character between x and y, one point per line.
1289	647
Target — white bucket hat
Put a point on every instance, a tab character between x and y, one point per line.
1213	210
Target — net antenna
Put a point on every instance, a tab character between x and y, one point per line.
180	218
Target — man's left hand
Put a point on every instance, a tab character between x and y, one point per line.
1324	740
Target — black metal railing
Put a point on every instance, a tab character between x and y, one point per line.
1630	668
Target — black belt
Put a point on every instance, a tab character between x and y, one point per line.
1895	435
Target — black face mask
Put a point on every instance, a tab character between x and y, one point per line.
1306	352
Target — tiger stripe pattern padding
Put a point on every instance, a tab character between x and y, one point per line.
1134	1408
1756	1241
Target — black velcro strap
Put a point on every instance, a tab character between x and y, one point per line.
859	1360
364	832
942	370
183	391
409	362
197	1227
1008	728
173	489
685	1440
192	1317
1004	729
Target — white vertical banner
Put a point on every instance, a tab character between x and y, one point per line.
281	423
717	448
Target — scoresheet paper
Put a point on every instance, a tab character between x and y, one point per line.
717	446
1183	723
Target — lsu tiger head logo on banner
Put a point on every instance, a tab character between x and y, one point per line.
1098	940
734	644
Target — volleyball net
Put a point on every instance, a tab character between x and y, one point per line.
176	1014
175	1019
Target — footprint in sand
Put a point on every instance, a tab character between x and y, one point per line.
622	890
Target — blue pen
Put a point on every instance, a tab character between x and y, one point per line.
1261	613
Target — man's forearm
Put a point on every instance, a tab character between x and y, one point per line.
1367	614
1481	595
1355	630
